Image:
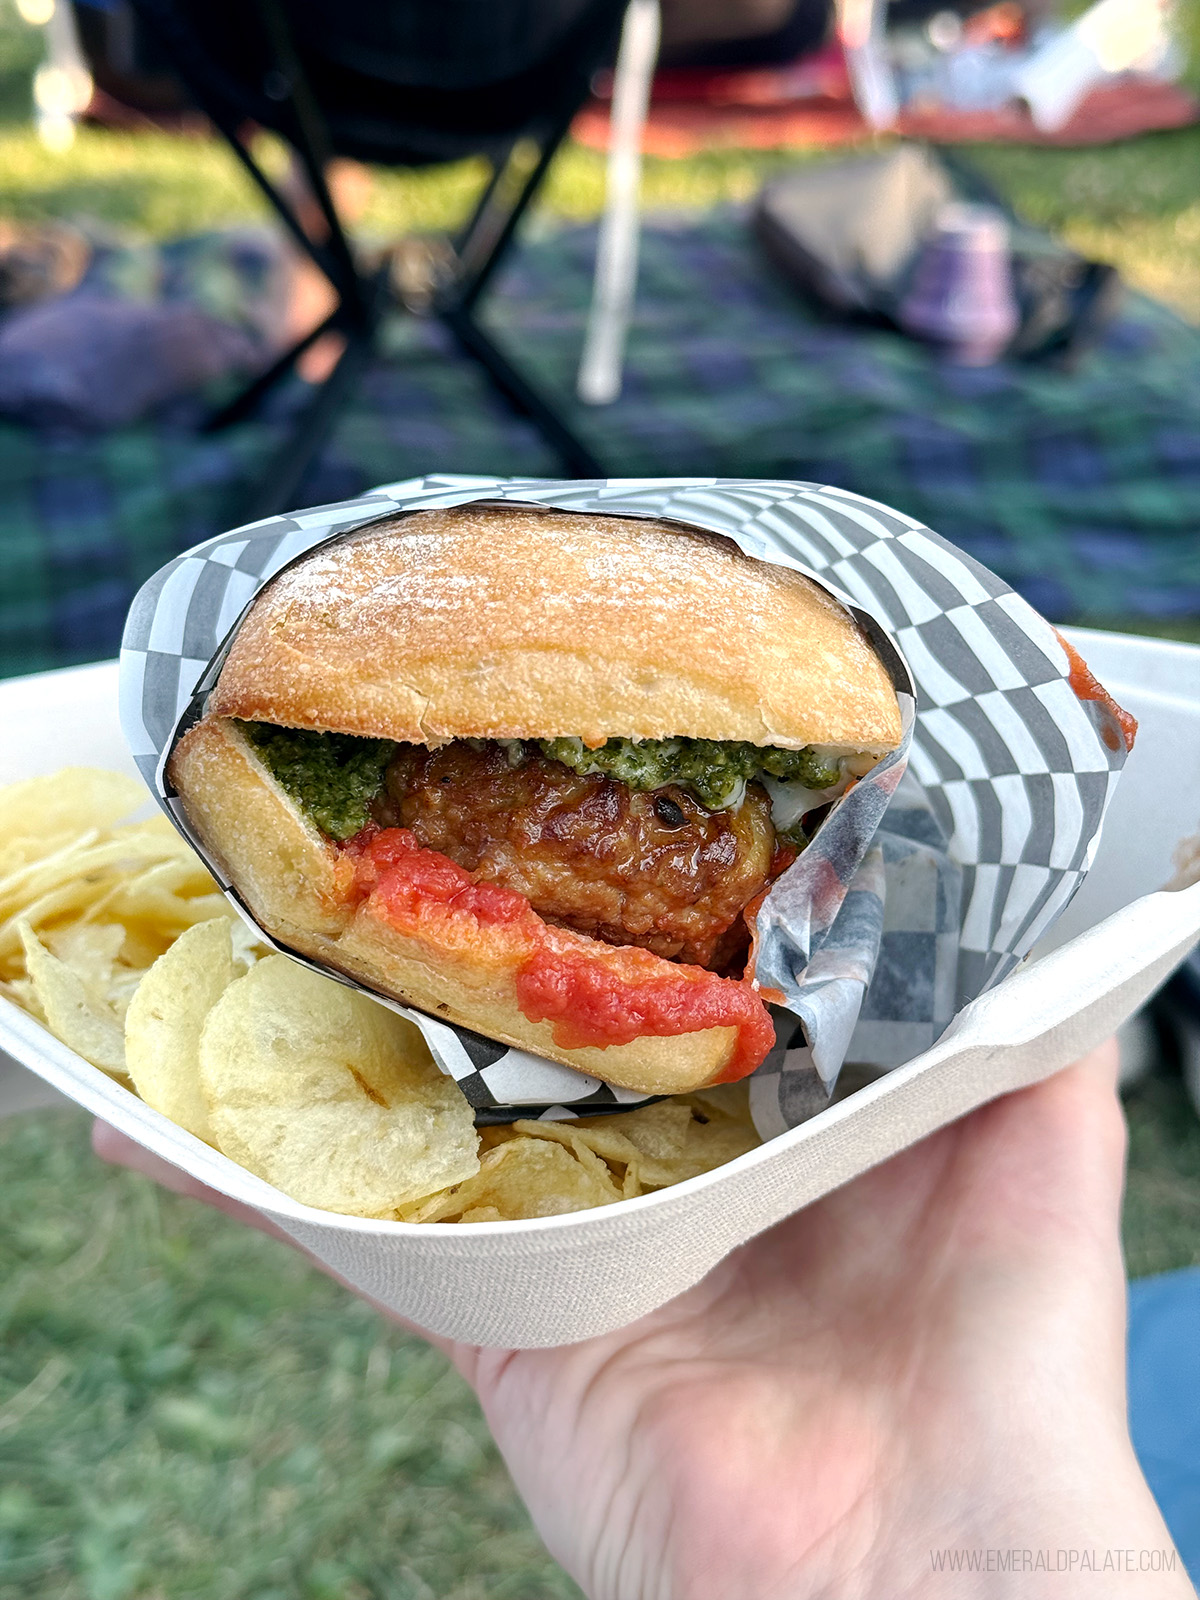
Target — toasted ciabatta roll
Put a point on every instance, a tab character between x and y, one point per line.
526	771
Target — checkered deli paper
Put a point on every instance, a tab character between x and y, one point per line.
928	881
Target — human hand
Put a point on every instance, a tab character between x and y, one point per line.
930	1358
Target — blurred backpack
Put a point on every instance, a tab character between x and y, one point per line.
845	231
846	234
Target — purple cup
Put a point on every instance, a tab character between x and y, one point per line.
961	295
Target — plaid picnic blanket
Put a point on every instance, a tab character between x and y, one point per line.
1081	490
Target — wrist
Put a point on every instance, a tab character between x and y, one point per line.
1094	1530
1061	1523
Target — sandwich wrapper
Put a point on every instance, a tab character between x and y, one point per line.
821	930
985	840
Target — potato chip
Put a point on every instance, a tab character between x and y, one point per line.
660	1144
607	1141
142	947
20	852
161	827
329	1096
122	987
524	1177
73	881
165	1017
67	802
724	1100
22	993
73	1014
97	952
590	1161
170	895
104	860
45	871
659	1130
89	948
494	1133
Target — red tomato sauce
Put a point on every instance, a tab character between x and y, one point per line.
592	994
1086	686
391	864
591	1002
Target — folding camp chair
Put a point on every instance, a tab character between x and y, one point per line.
299	68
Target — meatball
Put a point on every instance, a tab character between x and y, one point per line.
652	869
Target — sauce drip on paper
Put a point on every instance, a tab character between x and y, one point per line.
1122	726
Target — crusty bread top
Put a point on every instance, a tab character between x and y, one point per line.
498	622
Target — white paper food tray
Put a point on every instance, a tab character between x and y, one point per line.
560	1279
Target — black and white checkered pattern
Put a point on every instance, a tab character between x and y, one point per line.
881	987
1014	769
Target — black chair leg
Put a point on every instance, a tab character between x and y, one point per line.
245	403
275	490
483	245
521	395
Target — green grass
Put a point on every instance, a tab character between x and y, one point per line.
162	184
20	52
1137	205
1162	1200
1185	628
190	1412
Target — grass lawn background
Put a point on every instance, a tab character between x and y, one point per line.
187	1411
190	1412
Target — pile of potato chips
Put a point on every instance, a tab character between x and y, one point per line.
114	935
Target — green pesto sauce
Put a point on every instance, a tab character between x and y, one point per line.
332	777
712	770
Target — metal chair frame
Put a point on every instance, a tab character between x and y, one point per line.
473	257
